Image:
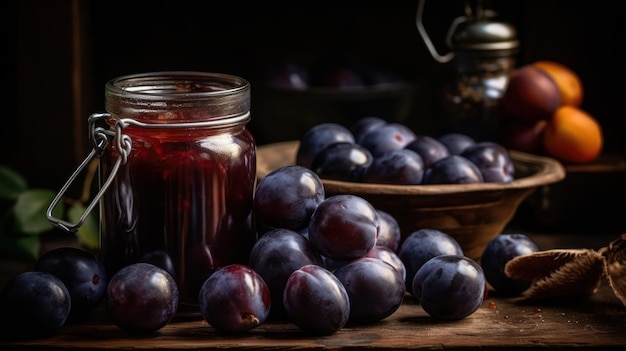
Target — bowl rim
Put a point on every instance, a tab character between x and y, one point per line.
549	171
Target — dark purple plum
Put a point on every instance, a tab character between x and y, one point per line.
344	227
364	125
401	167
332	264
33	305
141	298
390	233
456	143
342	161
449	287
317	138
388	255
422	245
391	136
289	76
429	148
378	251
275	255
234	299
493	161
454	169
287	197
83	274
375	289
498	252
341	77
525	136
316	301
161	259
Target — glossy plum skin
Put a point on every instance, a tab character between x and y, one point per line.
456	143
389	234
498	252
33	304
380	252
422	245
277	254
364	125
492	160
531	95
342	161
391	136
82	273
289	76
429	148
386	254
234	299
317	138
161	259
141	298
454	169
344	227
450	287
277	208
375	289
402	166
316	301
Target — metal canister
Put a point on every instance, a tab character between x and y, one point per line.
482	53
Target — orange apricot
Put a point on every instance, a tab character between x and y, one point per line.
568	82
573	135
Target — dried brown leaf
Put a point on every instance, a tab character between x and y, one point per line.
558	272
615	266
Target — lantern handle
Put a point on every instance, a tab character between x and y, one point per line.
470	14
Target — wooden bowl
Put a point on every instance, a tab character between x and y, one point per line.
472	213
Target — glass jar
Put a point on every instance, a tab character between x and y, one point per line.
470	102
178	173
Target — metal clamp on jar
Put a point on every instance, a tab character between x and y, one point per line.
482	54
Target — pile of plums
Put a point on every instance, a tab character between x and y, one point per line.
373	150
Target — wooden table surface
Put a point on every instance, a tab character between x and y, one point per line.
598	322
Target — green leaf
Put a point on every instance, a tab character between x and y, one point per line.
88	234
20	247
11	183
30	211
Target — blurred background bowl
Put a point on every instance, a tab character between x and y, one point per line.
297	110
472	213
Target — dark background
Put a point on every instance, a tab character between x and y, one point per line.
59	54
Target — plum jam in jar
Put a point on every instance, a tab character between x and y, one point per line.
181	173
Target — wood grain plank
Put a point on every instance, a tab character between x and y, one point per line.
594	323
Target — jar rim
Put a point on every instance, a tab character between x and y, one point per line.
148	95
179	85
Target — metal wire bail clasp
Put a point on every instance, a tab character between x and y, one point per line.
100	138
469	15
